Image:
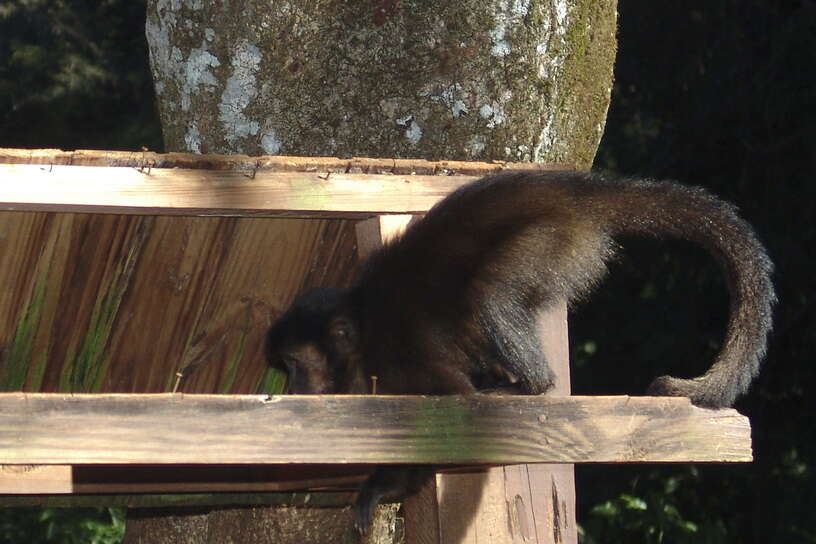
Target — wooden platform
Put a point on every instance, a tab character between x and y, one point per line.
111	284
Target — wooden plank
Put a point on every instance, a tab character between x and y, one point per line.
549	510
129	182
193	429
121	479
471	509
200	292
35	479
92	189
421	514
116	479
374	232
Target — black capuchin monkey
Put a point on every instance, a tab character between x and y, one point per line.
451	307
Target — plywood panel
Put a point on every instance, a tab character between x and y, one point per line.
121	303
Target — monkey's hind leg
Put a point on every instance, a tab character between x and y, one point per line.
387	484
515	340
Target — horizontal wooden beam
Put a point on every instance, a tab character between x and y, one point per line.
40	428
234	185
93	189
132	479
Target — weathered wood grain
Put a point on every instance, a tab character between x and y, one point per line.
188	184
35	479
194	429
119	479
161	191
121	303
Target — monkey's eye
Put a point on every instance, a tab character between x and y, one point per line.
343	334
339	328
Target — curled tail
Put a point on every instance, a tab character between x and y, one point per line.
691	213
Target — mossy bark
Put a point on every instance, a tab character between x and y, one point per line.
470	80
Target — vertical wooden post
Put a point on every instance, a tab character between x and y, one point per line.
374	232
504	505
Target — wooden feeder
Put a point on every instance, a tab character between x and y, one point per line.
122	305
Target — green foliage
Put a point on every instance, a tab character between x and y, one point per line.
652	516
62	526
273	382
74	74
657	520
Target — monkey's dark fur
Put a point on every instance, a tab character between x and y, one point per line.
451	307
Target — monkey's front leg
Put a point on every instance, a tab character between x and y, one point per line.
389	484
394	483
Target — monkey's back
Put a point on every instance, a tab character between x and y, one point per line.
475	272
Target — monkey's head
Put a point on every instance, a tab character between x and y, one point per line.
315	342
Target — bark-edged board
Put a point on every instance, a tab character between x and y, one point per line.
166	191
42	428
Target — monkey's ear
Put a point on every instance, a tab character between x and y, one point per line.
343	334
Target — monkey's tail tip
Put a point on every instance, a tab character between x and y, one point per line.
702	392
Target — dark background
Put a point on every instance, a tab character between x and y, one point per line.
719	93
722	94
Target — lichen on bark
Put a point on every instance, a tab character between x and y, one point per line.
514	80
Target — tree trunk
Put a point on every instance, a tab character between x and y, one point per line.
509	80
469	80
250	524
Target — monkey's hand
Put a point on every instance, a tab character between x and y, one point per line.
387	484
